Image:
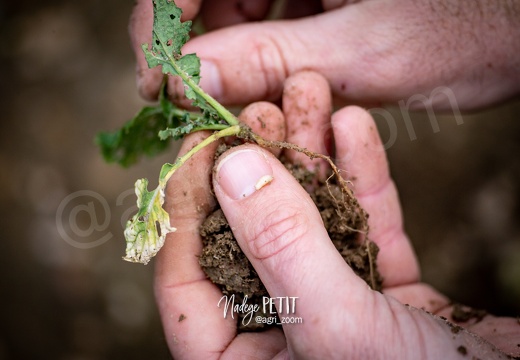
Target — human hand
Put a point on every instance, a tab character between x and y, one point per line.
369	51
281	232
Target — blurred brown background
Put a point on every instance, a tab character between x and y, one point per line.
67	71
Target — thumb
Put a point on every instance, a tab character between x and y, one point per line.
249	62
370	52
281	232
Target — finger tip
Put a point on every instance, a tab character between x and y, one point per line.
351	113
307	107
352	126
267	120
359	148
176	92
148	83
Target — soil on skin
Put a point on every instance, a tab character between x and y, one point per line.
461	313
226	265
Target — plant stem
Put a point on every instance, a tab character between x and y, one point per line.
221	110
180	113
169	169
214	127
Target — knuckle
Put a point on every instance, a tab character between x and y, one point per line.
271	65
278	230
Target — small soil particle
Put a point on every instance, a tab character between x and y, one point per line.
455	329
262	122
462	349
462	313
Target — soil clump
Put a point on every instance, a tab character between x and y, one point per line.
346	222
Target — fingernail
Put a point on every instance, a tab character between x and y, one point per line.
210	80
243	172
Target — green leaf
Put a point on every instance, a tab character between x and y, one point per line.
137	137
168	36
190	125
146	231
165	171
143	135
175	133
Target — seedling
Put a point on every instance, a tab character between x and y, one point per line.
149	132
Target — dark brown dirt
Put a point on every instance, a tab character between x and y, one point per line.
462	349
226	265
461	313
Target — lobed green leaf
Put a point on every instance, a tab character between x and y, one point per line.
148	133
168	36
137	137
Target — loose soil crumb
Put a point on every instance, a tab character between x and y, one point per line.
462	313
462	349
455	329
226	265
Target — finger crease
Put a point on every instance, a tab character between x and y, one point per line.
183	284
